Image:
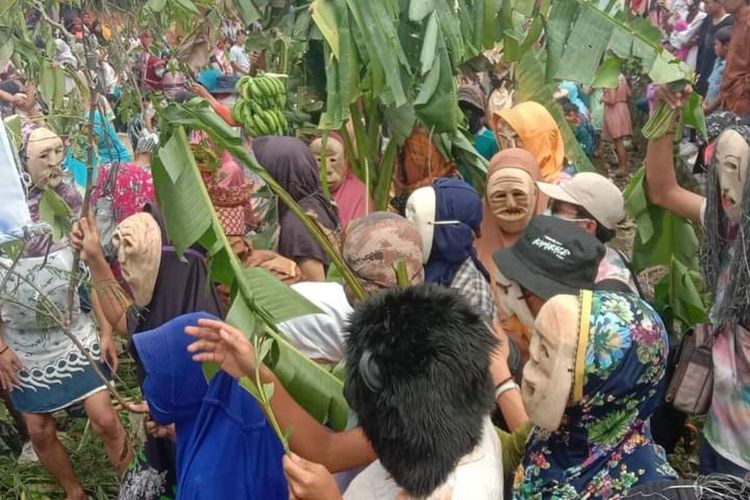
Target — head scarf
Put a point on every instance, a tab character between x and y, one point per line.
351	197
571	92
539	133
133	188
493	238
422	161
373	246
291	163
603	447
457	203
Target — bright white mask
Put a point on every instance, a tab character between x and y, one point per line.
421	208
138	243
44	154
732	153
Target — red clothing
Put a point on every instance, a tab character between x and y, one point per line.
153	71
735	87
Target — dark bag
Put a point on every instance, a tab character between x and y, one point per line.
104	213
691	387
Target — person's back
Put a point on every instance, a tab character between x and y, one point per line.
735	88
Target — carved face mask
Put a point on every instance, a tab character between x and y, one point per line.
511	299
548	375
511	195
732	153
507	136
420	210
335	160
44	154
138	243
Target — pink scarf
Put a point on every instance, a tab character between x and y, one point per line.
351	194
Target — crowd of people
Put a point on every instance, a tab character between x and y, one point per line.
518	356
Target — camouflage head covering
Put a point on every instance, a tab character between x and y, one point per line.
374	244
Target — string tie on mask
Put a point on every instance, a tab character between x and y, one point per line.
370	371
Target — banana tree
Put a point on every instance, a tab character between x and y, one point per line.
259	301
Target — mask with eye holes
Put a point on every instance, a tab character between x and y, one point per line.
512	302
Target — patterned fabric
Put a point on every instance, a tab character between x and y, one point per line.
727	427
474	287
374	244
55	373
134	188
612	267
603	447
40	245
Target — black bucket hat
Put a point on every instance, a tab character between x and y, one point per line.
552	257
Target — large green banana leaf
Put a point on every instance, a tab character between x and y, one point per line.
258	298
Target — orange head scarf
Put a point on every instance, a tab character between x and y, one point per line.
538	133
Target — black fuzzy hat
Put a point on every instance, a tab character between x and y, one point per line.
418	379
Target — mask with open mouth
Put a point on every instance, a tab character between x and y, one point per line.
511	195
732	153
44	154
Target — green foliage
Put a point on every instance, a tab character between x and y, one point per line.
665	239
257	298
54	211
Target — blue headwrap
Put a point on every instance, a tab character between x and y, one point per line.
453	243
572	89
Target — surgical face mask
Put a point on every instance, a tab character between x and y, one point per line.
732	153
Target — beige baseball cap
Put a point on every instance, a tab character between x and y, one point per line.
594	192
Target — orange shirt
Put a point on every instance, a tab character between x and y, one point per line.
735	87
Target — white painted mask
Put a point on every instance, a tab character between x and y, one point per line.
421	210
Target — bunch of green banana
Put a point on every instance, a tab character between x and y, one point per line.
260	105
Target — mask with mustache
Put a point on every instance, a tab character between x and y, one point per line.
511	196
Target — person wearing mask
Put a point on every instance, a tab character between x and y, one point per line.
473	103
448	216
596	373
717	18
735	89
595	204
291	163
347	190
721	49
530	126
723	213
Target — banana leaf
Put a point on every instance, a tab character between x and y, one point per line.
532	86
258	297
585	46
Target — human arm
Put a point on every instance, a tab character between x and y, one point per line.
312	269
9	364
14	99
510	402
108	297
227	346
224	111
513	445
662	188
308	480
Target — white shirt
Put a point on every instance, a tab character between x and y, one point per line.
238	56
478	476
320	336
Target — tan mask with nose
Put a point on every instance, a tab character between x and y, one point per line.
511	196
44	154
335	160
732	154
138	243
